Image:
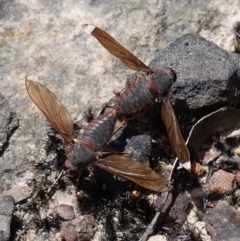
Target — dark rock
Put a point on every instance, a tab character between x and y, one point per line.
8	121
176	206
221	182
223	223
207	76
6	210
84	227
139	147
65	211
197	196
6	205
237	178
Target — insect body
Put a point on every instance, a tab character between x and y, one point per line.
94	137
135	99
152	84
143	93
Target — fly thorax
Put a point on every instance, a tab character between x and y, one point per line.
161	81
82	156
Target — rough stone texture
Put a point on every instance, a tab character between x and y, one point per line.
66	211
83	227
223	223
221	182
8	122
207	76
197	196
139	147
200	229
18	193
178	210
69	234
6	209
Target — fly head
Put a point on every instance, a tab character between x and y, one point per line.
162	80
82	156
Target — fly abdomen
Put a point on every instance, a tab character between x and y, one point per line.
100	130
134	99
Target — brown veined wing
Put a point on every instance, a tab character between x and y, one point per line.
134	171
174	134
115	48
55	112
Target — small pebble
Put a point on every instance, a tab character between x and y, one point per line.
221	182
65	211
6	210
69	234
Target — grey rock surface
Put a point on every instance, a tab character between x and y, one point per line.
9	123
208	77
222	223
7	205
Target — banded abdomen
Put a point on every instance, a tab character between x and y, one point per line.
135	99
99	131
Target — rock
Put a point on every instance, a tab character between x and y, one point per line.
237	178
139	147
65	211
200	230
9	123
223	223
197	196
221	182
83	227
69	234
18	193
178	204
6	209
205	72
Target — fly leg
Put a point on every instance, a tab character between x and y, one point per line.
128	119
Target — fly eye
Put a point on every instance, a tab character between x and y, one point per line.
130	80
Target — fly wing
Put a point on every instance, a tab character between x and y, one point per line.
134	171
55	112
115	48
174	134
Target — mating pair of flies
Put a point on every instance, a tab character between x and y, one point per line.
148	86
